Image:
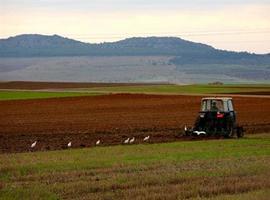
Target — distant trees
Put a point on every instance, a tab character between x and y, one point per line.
216	83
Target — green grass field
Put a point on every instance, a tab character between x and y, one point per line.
15	95
185	89
216	169
148	89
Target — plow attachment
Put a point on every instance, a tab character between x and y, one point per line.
237	131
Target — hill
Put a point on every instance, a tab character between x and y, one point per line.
29	45
138	59
33	45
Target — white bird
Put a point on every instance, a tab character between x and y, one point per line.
185	128
69	144
132	140
34	144
200	132
126	141
98	142
146	138
203	133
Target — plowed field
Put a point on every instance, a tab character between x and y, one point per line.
110	118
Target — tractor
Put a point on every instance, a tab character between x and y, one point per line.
217	117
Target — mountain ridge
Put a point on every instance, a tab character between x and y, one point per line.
182	51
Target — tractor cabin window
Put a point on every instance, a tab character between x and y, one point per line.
212	105
230	105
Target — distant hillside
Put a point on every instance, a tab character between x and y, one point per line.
185	52
33	45
150	59
41	45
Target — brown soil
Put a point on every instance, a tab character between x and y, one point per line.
25	85
110	118
264	93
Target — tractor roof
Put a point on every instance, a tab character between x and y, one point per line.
217	98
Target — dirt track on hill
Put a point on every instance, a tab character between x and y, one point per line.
110	118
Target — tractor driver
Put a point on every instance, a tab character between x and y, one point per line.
214	106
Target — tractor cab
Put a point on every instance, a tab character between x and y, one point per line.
217	105
216	117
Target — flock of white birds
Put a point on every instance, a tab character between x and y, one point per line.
126	141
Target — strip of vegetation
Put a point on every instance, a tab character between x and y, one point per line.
148	89
15	95
186	89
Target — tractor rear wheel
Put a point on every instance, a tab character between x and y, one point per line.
230	128
240	132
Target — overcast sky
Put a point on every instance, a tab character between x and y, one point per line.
241	25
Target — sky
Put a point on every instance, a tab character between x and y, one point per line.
238	25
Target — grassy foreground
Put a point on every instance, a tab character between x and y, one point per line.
217	169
